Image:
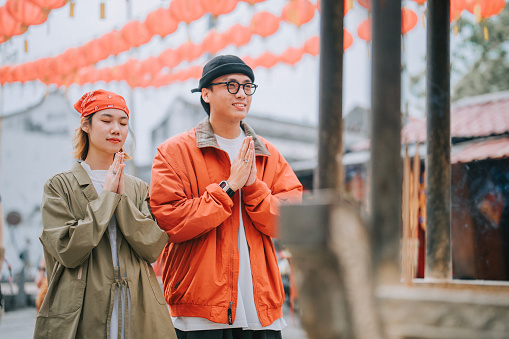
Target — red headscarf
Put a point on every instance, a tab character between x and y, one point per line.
98	100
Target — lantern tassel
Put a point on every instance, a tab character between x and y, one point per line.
71	13
477	13
486	33
456	29
349	4
103	7
26	46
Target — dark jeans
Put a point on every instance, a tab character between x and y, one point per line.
230	333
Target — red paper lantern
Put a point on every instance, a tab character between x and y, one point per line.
298	12
186	10
408	20
214	42
48	5
251	62
218	7
169	58
67	61
115	42
312	46
9	26
292	55
347	39
485	9
420	2
267	60
264	24
135	33
238	35
26	12
253	2
5	75
95	51
457	6
161	22
188	51
365	3
364	30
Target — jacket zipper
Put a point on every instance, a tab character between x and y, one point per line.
230	317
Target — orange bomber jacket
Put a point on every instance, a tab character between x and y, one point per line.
201	259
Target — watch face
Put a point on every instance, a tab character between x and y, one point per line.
222	184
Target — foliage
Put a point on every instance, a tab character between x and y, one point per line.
482	66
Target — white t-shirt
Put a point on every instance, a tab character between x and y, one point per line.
98	177
246	316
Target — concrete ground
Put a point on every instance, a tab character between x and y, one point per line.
19	324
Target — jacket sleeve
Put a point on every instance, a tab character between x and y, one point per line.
262	203
182	216
139	228
67	239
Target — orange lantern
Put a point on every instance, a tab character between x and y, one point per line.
365	3
48	5
364	30
135	33
218	7
292	55
9	26
420	2
238	35
214	42
347	39
186	10
188	51
66	62
26	12
264	24
169	58
161	22
150	67
457	6
298	12
312	46
5	75
95	51
485	9
408	20
115	42
253	2
267	60
253	63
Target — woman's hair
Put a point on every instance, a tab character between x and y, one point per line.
81	143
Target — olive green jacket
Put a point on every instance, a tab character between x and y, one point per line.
81	276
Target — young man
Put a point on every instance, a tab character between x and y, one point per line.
216	190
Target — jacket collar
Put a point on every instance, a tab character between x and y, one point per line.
84	180
205	137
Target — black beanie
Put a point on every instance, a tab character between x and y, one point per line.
219	66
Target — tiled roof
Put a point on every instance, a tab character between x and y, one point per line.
480	149
479	116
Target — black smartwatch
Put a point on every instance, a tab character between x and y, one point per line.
224	185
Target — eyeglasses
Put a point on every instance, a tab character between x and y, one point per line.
233	87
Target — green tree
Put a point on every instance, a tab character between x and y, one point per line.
480	66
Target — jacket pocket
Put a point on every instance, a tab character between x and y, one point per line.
154	284
66	290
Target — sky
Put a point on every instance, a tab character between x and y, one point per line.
286	92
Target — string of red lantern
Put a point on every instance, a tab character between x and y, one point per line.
135	34
17	15
138	74
408	22
484	9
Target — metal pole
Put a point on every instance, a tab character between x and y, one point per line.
438	160
329	174
386	165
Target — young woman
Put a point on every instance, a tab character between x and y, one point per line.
99	238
